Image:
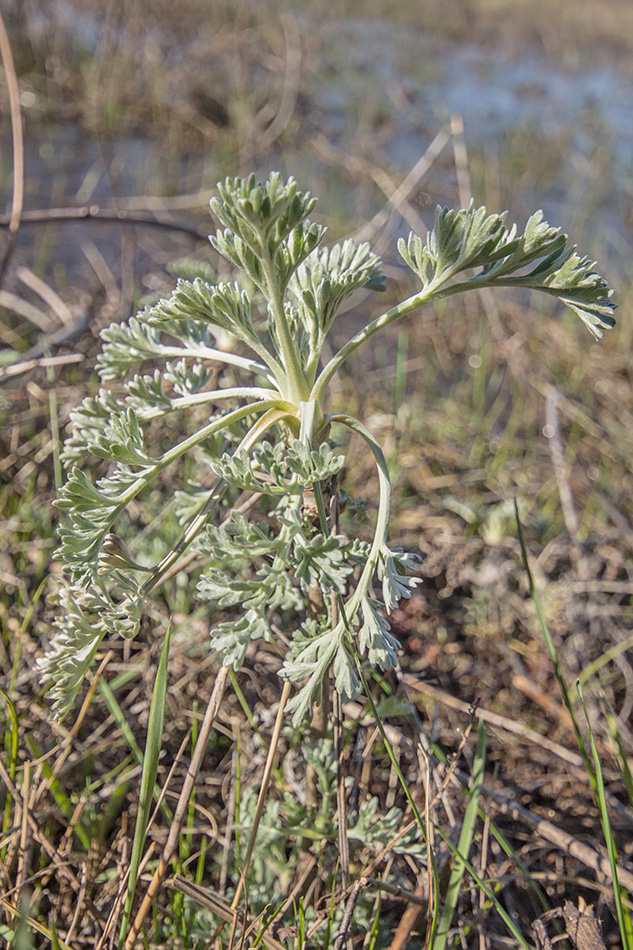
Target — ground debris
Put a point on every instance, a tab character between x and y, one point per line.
582	927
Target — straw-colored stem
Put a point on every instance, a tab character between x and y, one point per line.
183	805
261	799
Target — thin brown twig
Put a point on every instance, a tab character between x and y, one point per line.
152	846
230	815
65	746
292	83
25	837
367	872
16	369
100	216
556	836
561	473
349	910
494	719
46	293
409	919
18	145
337	714
343	841
79	905
220	908
120	895
398	196
39	835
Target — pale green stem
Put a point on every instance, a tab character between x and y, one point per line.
211	395
381	530
270	371
222	423
478	281
403	308
296	386
178	450
434	291
258	428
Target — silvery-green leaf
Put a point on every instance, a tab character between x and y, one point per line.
232	638
312	661
72	649
88	421
375	640
322	562
346	678
396	585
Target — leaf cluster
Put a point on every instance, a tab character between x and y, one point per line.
539	258
222	385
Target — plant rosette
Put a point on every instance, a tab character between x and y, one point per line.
265	430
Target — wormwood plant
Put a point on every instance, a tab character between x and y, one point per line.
237	368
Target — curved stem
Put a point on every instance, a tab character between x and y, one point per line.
17	132
210	395
223	422
382	521
284	408
261	425
270	371
412	303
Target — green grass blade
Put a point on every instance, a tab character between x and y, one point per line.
500	838
624	917
23	628
464	844
551	649
512	927
407	792
11	743
621	755
119	717
148	777
245	707
375	924
301	926
464	860
114	708
22	936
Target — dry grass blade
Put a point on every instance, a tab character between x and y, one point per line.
349	910
624	917
493	719
220	908
263	791
52	852
557	836
340	788
97	214
415	909
18	144
464	845
46	293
